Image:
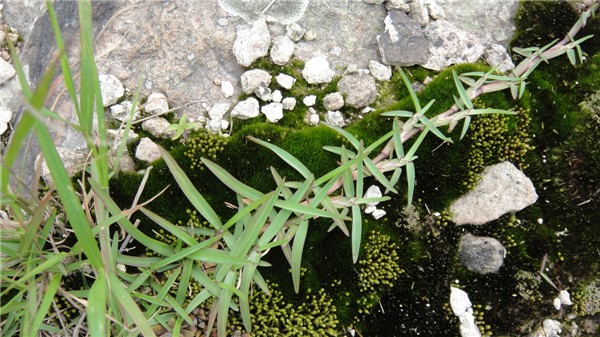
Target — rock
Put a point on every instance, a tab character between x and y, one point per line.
147	150
312	118
277	96
252	43
482	255
111	88
284	12
373	2
157	104
216	125
419	12
294	32
359	89
380	71
397	4
6	71
122	110
73	161
227	89
502	189
435	10
218	111
462	308
282	50
378	214
252	79
317	70
333	101
264	93
451	45
403	42
335	118
246	109
496	56
309	100
116	136
157	127
285	81
563	299
551	328
289	103
273	112
372	192
5	118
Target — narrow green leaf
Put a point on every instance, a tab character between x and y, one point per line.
522	88
465	128
398	113
426	107
458	103
122	296
411	91
356	232
434	129
338	150
410	177
297	250
286	156
184	281
378	175
360	172
413	149
398	147
347	179
49	293
461	91
96	309
231	182
346	135
190	191
395	177
223	304
198	300
175	230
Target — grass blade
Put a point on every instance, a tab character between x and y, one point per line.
411	91
297	249
398	113
223	304
356	232
286	156
410	178
465	126
434	129
122	296
190	191
461	91
96	309
231	182
49	293
346	135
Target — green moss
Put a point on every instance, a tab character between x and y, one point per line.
203	144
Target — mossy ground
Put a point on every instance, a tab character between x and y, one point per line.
563	162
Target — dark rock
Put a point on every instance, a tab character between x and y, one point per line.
403	42
482	255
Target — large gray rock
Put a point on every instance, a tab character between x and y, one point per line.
479	254
282	11
502	189
451	45
252	43
403	42
360	89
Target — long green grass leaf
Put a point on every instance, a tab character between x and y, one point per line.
46	302
96	309
356	232
410	178
411	91
120	294
346	135
231	182
286	156
297	250
461	91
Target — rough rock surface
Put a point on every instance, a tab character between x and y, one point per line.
333	101
497	56
111	88
157	127
122	110
273	111
6	71
335	118
252	43
482	255
284	12
451	45
282	50
548	328
147	150
317	70
461	307
245	109
157	103
5	117
285	81
381	72
502	189
360	89
73	162
252	79
403	42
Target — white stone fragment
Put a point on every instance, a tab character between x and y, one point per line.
5	117
246	109
111	88
227	89
285	81
557	304
157	127
6	71
294	32
373	192
333	101
282	50
565	297
317	70
551	328
264	93
335	118
462	308
313	119
378	214
147	150
252	43
157	104
121	111
381	72
273	112
218	111
309	100
289	103
277	96
252	79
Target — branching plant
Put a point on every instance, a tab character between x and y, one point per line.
130	299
